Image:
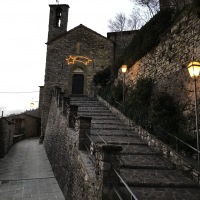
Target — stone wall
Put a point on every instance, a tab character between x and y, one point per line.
167	63
120	40
58	72
179	4
79	174
68	164
191	170
6	136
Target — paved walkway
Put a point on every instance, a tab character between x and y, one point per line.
26	174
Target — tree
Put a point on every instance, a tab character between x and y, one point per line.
119	23
122	23
151	5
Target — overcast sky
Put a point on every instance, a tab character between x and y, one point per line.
24	29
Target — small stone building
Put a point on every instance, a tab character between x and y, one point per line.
6	135
73	57
27	125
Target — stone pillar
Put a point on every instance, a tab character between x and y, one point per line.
57	91
60	96
65	104
83	126
72	112
107	159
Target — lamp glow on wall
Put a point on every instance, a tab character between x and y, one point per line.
194	71
124	69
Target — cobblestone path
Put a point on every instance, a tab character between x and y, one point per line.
26	174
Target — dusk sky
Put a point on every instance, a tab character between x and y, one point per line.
24	29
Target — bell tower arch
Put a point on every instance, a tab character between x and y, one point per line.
58	19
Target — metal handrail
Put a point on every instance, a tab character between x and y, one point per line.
174	137
117	193
127	187
125	184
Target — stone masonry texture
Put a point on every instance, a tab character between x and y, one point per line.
58	73
167	63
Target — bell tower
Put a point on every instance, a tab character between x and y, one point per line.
58	19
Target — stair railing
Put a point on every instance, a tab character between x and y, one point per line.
146	124
133	197
92	152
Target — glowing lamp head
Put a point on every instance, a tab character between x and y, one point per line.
32	105
194	69
124	69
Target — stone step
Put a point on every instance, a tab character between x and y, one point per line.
84	104
158	193
145	162
82	98
119	140
99	117
92	108
110	126
91	114
155	178
138	149
112	132
107	121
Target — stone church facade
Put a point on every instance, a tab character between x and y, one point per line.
73	57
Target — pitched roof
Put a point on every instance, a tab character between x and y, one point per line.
71	30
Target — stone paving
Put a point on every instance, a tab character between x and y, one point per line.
26	174
149	175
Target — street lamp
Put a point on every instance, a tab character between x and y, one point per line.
124	69
194	71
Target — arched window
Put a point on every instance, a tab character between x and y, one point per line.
58	17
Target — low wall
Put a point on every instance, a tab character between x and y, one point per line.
6	136
73	169
81	175
193	171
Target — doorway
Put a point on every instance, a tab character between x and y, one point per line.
77	84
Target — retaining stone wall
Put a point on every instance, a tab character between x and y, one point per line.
72	168
6	136
181	163
167	63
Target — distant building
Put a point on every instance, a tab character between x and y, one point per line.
26	124
17	127
6	135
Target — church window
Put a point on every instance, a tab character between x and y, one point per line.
78	48
58	17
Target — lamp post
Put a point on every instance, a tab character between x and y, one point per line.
124	69
194	71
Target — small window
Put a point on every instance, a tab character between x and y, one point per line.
58	17
78	48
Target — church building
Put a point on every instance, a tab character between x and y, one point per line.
73	57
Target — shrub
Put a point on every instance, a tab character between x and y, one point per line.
103	77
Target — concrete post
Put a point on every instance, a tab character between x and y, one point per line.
107	159
72	112
83	126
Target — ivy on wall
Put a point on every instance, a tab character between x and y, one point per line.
148	36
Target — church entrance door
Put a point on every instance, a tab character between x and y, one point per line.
77	84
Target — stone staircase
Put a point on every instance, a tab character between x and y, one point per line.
149	175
